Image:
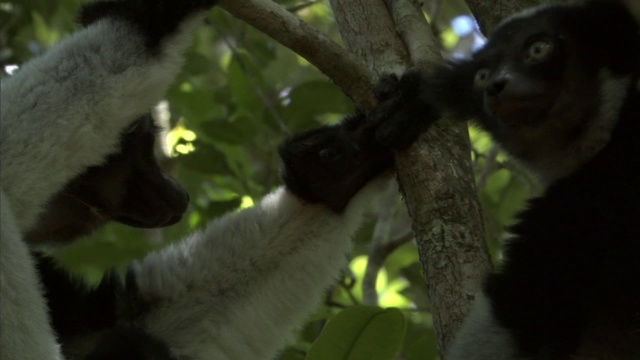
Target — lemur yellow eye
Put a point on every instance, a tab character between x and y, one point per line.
482	77
539	50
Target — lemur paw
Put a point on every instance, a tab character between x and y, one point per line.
402	116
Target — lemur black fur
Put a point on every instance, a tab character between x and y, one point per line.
557	87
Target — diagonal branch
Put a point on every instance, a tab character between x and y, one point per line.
342	67
437	179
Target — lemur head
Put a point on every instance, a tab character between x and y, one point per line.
551	80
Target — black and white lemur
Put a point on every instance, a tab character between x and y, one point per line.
324	167
557	87
236	290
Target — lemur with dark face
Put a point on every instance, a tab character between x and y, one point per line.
557	88
76	151
323	169
129	187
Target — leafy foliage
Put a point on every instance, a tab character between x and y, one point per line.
360	333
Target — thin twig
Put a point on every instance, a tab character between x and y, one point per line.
377	257
379	240
255	84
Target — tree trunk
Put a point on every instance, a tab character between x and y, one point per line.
435	174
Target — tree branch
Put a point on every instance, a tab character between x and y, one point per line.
415	32
377	256
342	67
367	28
436	176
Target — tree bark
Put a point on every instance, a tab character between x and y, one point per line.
435	174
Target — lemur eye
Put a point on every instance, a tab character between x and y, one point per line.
539	50
482	77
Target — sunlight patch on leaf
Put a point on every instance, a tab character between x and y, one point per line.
391	296
186	87
194	219
358	267
389	291
480	139
247	202
179	140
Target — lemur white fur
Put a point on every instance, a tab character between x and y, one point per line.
239	288
61	113
481	337
234	291
25	332
64	111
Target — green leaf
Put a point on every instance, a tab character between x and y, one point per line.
236	130
197	63
196	105
44	33
361	333
244	83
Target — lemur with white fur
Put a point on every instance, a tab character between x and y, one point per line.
75	140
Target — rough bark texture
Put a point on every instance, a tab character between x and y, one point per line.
368	31
435	174
437	180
